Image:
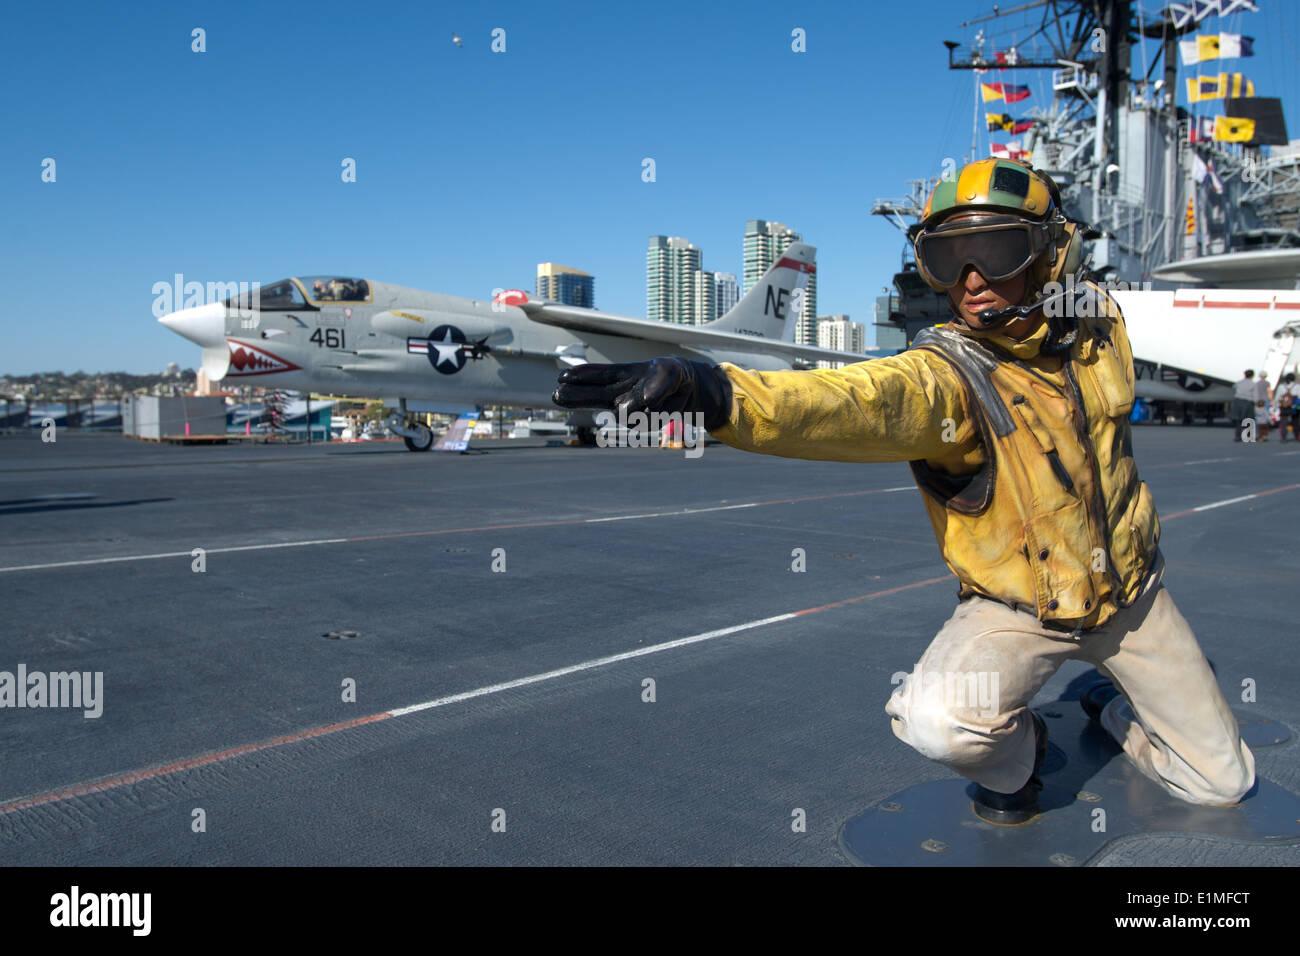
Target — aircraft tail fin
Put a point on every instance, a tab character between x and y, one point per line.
771	309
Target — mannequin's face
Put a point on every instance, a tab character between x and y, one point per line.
974	294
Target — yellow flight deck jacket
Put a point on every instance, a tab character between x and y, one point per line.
1024	461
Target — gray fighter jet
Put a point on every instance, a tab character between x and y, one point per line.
426	352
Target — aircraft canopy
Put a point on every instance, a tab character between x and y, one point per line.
305	293
335	289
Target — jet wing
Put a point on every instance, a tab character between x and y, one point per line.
672	333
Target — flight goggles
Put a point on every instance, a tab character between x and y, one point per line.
999	247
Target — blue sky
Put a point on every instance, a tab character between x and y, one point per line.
472	166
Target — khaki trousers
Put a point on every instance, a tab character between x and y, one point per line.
965	704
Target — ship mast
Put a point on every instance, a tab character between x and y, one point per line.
1087	44
1115	140
1128	159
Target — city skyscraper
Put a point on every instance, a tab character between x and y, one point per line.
705	306
672	269
564	284
726	293
764	243
837	332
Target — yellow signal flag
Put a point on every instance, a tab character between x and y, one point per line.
1238	85
1190	218
1207	47
1217	87
1205	88
1233	129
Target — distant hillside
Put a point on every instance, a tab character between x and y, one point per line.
56	385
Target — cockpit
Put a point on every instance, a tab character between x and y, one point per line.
304	293
336	289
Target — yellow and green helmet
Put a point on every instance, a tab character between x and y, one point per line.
1002	216
994	185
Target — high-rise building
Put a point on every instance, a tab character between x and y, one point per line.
672	269
726	293
764	243
704	308
837	332
566	285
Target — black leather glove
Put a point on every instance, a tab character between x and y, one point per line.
659	385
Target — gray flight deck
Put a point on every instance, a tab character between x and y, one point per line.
221	692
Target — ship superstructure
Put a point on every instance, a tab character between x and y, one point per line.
1173	197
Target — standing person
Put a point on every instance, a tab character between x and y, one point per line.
1014	419
1243	403
1287	401
1263	415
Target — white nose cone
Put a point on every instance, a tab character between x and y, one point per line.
204	324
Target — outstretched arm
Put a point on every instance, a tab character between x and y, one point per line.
899	408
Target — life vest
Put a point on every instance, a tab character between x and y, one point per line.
1055	521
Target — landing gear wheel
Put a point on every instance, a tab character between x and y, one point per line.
422	443
586	436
